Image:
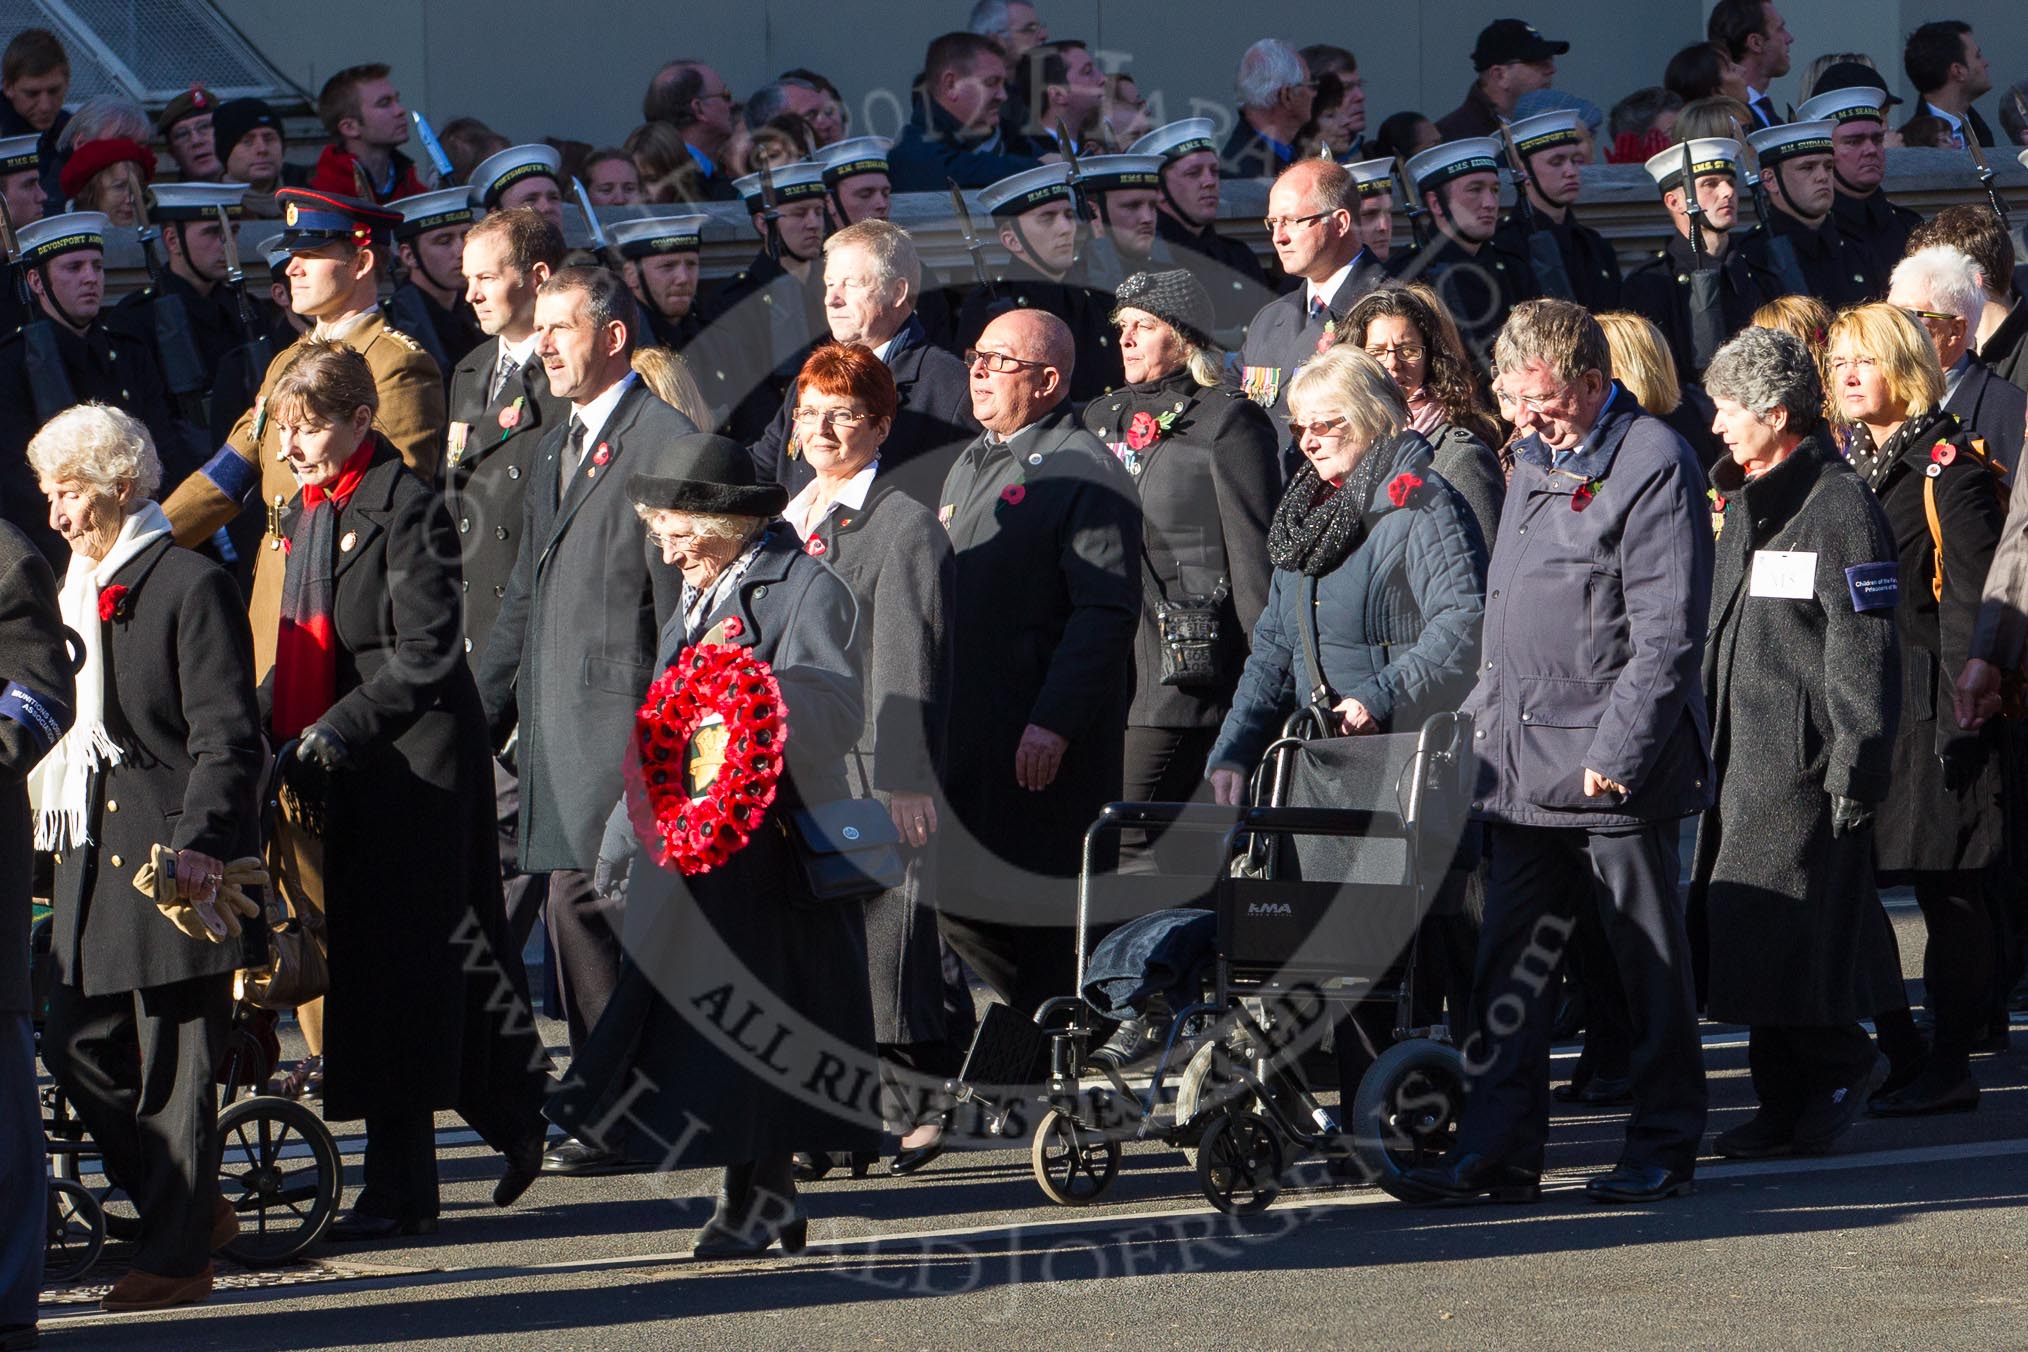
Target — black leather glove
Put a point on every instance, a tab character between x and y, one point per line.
1849	815
1962	761
323	748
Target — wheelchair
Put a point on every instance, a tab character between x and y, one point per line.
1332	874
279	1165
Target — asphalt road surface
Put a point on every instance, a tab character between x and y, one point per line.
1915	1234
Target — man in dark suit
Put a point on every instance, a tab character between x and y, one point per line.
1047	532
1592	745
872	279
1312	220
1754	34
956	133
1189	221
1944	63
1943	289
36	699
1978	233
501	408
573	647
692	97
1276	94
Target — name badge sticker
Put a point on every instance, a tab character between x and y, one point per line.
1874	586
1784	574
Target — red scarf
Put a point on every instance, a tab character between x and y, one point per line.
306	647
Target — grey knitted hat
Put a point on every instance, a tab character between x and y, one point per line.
1176	298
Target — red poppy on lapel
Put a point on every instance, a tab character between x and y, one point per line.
602	454
112	603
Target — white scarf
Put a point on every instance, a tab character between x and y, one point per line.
59	788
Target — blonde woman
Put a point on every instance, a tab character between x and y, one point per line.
1642	363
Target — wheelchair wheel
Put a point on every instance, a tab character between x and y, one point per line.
1239	1163
76	1232
281	1171
1406	1110
1074	1165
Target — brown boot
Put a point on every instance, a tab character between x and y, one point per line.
140	1290
224	1224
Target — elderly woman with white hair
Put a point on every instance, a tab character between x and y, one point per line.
146	802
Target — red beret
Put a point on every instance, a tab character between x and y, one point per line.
92	156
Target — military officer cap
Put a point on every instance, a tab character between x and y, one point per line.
192	101
313	219
19	154
53	236
1708	155
1791	140
1118	173
497	173
793	183
1545	131
1373	177
1173	140
195	201
653	236
427	211
1027	190
859	155
1454	160
1860	103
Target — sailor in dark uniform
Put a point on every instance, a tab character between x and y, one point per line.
1865	218
1583	267
660	255
772	311
66	355
1230	272
21	188
1125	195
1698	314
521	176
855	176
1801	244
1037	218
430	304
1479	278
1376	210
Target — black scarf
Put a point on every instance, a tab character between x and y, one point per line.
1875	463
1317	527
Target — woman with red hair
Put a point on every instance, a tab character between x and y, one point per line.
898	562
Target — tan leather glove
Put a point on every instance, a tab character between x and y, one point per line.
214	920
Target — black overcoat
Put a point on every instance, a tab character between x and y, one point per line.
573	647
488	465
423	982
1207	488
1804	693
179	703
898	562
1046	531
35	712
1991	409
741	1026
1923	826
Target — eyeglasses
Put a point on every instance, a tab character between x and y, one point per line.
676	539
1843	365
1410	352
1000	363
1275	224
1543	403
829	417
1920	316
1324	429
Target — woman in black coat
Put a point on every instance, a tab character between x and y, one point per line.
428	1007
740	1029
1942	823
1205	464
897	560
159	772
1803	675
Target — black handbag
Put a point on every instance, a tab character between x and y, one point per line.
849	850
1190	628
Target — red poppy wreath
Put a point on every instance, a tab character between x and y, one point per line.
706	757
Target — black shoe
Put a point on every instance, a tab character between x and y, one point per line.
1762	1136
14	1336
757	1207
524	1164
1570	1017
810	1166
915	1157
1942	1091
578	1160
1899	1077
1636	1183
1134	1045
1826	1117
1993	1042
357	1225
1470	1179
1604	1091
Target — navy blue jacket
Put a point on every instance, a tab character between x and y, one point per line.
1594	633
932	152
1397	622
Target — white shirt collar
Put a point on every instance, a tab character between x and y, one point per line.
1952	118
1312	293
799	513
599	411
886	350
520	351
344	328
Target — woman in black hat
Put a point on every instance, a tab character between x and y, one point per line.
741	1029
